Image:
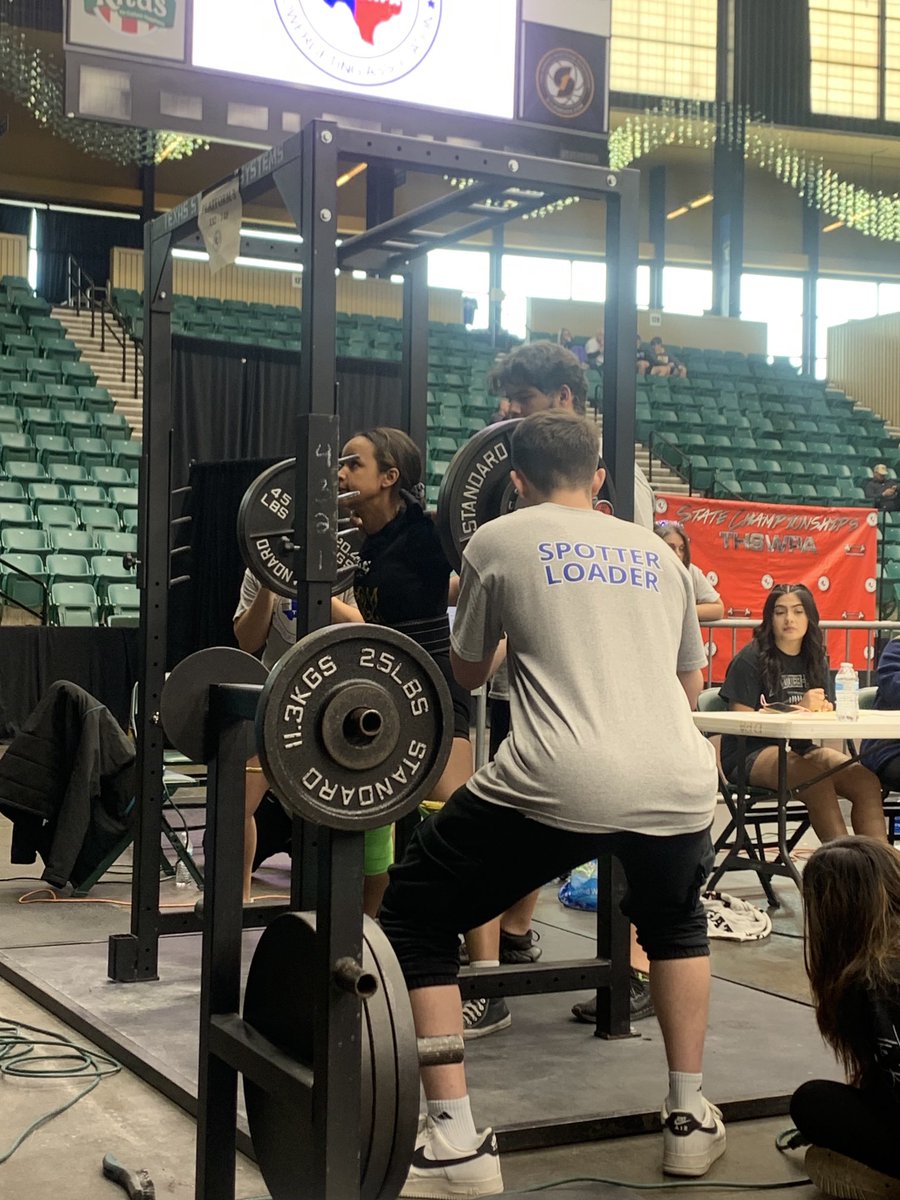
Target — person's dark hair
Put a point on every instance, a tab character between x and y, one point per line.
851	895
656	341
542	365
812	648
555	449
394	448
666	527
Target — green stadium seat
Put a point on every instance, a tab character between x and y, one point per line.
110	476
57	514
123	604
19	540
62	396
44	370
128	454
91	452
74	604
86	493
12	368
17	587
67	473
46	493
122	498
11	489
60	350
16	514
78	374
68	568
53	448
28	393
112	426
71	541
107	569
40	421
26	472
10	419
130	520
97	517
16	447
112	542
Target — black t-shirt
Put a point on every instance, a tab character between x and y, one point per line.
403	573
744	685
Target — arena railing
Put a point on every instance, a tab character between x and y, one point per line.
85	295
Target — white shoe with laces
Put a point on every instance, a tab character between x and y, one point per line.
442	1171
690	1147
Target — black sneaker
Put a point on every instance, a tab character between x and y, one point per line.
519	947
640	1005
481	1017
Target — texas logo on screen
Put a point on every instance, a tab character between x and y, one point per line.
362	42
134	16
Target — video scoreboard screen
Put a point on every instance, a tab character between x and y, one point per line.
533	62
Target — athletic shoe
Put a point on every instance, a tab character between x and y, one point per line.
690	1147
481	1017
441	1171
835	1175
519	947
640	1005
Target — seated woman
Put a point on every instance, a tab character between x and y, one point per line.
708	601
851	900
785	663
882	755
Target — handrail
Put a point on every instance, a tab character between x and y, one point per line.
85	293
45	591
849	624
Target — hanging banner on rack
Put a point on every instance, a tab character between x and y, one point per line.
745	549
219	222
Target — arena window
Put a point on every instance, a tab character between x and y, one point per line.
664	48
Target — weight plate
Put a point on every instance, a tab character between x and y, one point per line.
266	520
279	1003
476	488
332	765
184	704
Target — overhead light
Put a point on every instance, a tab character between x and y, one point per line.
272	235
358	275
94	212
351	174
397	279
22	203
833	226
192	255
701	200
677	212
267	264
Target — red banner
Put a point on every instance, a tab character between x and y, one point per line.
746	548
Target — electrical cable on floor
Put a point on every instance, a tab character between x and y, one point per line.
21	1057
48	895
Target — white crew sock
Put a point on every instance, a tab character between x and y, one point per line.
686	1094
455	1120
485	962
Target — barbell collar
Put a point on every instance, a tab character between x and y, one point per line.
441	1051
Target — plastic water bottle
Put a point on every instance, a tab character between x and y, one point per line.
846	693
182	874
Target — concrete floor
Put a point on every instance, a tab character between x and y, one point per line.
128	1118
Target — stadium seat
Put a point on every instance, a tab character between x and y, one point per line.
67	568
23	580
74	604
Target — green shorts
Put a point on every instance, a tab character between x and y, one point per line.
379	849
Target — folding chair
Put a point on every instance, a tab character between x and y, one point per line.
744	841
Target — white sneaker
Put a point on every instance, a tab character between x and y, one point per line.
441	1171
690	1147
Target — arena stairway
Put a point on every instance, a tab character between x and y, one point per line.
107	364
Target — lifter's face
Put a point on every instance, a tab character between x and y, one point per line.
362	473
789	620
523	401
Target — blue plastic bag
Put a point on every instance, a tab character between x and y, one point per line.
580	889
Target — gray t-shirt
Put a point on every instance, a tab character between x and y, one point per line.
704	592
599	618
282	631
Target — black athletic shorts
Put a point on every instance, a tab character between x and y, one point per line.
469	862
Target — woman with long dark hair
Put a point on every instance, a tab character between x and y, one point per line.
785	663
851	893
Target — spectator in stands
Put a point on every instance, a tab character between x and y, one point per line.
593	349
881	490
643	358
661	361
501	412
708	601
564	338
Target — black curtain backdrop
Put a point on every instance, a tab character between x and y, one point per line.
201	611
233	402
88	239
102	661
14	219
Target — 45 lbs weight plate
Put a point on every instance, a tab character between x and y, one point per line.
475	489
266	523
354	726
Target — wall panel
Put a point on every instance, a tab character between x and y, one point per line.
13	254
864	360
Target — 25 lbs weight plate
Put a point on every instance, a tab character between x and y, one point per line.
266	523
476	488
354	726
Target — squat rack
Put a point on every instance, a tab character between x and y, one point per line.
501	186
